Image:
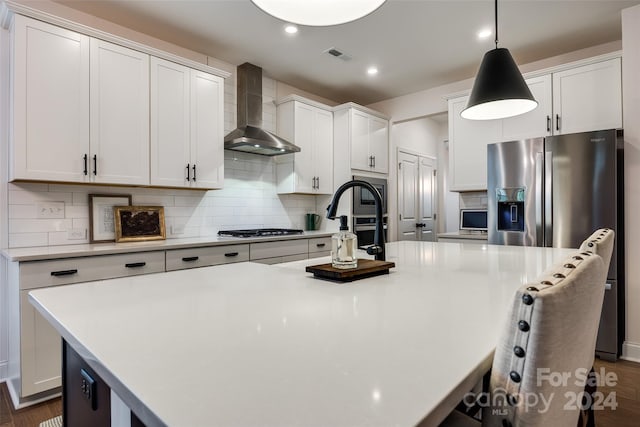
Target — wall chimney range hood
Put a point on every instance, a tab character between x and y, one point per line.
249	136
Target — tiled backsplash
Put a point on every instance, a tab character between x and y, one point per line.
473	200
58	214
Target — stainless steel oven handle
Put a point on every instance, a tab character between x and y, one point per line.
367	227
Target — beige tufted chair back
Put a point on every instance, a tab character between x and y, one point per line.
547	346
601	243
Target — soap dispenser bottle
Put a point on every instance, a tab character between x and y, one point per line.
343	247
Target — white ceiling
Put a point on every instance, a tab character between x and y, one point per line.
416	44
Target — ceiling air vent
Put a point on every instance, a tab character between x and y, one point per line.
338	54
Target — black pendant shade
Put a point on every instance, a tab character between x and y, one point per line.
499	90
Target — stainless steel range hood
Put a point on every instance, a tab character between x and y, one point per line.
249	136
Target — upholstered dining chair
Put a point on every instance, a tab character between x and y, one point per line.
546	349
601	243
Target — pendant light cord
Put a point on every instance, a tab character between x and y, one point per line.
496	16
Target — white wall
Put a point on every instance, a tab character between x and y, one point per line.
631	100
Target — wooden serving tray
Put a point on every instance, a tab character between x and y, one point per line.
366	268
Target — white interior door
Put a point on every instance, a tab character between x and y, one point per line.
416	197
427	199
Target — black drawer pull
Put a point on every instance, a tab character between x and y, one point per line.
320	245
135	264
231	254
64	272
190	258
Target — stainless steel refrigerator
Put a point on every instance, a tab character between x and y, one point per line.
555	191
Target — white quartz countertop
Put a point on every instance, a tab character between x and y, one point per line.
70	251
462	235
256	345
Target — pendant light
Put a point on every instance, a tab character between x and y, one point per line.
499	90
318	12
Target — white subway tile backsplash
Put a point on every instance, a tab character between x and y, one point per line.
248	199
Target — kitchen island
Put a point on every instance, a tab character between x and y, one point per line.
248	344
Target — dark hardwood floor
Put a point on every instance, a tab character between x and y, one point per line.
627	395
27	417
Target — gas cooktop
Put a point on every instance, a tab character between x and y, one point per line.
259	232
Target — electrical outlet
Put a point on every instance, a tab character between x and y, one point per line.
50	210
77	234
88	388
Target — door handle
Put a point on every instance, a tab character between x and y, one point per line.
95	164
64	272
231	254
194	173
320	245
190	258
374	161
557	121
317	182
548	199
548	123
135	264
188	172
86	164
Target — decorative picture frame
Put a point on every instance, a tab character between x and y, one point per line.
101	219
139	223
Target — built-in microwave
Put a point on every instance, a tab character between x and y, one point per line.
363	201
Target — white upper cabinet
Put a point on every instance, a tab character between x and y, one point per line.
369	142
186	127
119	143
310	126
50	109
588	98
80	108
468	141
537	122
579	99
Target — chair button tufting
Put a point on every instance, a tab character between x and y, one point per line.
512	399
518	351
578	258
569	266
515	377
523	326
559	276
546	283
585	253
532	289
590	244
527	299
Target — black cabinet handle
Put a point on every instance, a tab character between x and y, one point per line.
188	173
557	121
190	258
86	164
320	245
374	161
231	254
135	264
95	164
64	272
194	173
548	124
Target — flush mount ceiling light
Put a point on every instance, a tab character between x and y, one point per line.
499	90
318	12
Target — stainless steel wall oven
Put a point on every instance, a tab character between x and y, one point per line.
364	210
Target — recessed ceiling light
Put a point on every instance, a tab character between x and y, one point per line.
485	33
318	12
290	29
372	71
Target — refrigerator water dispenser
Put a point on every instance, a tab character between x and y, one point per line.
510	209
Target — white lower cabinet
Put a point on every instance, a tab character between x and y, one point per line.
180	259
279	251
35	347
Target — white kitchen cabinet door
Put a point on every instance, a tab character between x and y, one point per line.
50	102
536	123
170	124
323	151
379	144
207	128
41	350
119	122
309	171
186	127
468	141
360	156
588	98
